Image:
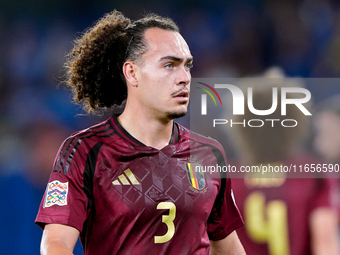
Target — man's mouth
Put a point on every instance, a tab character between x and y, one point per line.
182	93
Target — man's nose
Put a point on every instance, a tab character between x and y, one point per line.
184	76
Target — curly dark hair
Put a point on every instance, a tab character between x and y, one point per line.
94	66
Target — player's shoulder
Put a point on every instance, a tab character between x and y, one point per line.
77	146
92	134
199	138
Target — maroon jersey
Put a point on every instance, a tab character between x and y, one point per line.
128	198
276	211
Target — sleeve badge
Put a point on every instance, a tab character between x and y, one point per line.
56	194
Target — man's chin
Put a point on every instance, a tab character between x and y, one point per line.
175	115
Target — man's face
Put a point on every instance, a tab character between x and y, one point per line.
327	141
164	74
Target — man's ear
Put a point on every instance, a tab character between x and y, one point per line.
130	73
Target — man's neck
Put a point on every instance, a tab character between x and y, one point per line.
147	129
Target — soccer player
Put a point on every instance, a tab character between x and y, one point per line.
129	185
283	214
327	124
327	136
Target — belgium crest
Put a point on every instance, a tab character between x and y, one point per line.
195	175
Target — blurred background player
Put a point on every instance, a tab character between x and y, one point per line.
327	126
283	215
327	135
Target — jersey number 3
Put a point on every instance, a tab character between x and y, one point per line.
168	220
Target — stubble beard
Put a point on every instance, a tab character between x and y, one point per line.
170	115
175	115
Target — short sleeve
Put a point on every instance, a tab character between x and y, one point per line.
65	201
225	216
324	195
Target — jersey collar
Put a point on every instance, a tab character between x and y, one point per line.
118	128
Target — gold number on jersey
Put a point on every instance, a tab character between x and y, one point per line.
168	220
267	223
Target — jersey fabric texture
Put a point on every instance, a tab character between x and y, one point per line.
277	210
128	198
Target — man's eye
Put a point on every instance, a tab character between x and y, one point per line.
169	66
189	66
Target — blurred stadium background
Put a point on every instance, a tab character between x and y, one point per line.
227	39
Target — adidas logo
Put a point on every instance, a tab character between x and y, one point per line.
127	178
